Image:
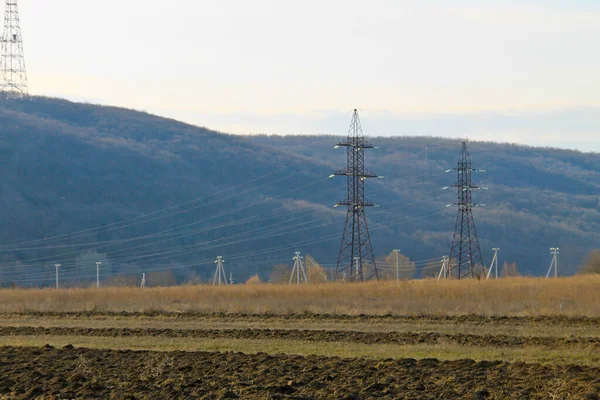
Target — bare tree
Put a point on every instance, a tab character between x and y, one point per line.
591	264
509	270
393	263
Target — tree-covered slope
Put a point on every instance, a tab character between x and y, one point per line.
538	197
142	193
68	167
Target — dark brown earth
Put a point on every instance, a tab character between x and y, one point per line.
401	338
456	319
27	373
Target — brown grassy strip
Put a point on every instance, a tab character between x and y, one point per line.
554	327
83	373
573	296
559	326
401	338
543	320
577	355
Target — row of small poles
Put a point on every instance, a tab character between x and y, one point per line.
219	277
299	274
98	263
554	251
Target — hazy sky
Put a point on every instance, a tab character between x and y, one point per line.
519	71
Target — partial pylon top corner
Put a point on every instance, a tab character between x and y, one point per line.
13	74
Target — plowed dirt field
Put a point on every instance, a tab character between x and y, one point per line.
296	356
27	373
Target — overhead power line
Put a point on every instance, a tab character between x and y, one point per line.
126	223
178	249
76	275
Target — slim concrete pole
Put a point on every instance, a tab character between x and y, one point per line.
496	256
220	277
397	264
444	270
98	263
57	267
494	264
293	271
303	271
555	252
297	269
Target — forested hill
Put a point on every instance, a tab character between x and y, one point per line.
84	183
538	197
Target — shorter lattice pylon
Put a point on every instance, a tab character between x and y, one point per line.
465	255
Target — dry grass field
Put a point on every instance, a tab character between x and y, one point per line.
574	296
512	338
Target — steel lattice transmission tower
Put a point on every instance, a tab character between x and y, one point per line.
465	254
12	58
356	261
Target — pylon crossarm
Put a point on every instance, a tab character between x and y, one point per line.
358	174
364	145
356	206
369	174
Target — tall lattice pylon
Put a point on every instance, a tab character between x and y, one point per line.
465	254
356	241
12	58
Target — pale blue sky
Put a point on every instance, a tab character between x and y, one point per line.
518	71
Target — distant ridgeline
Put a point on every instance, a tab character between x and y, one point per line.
84	183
